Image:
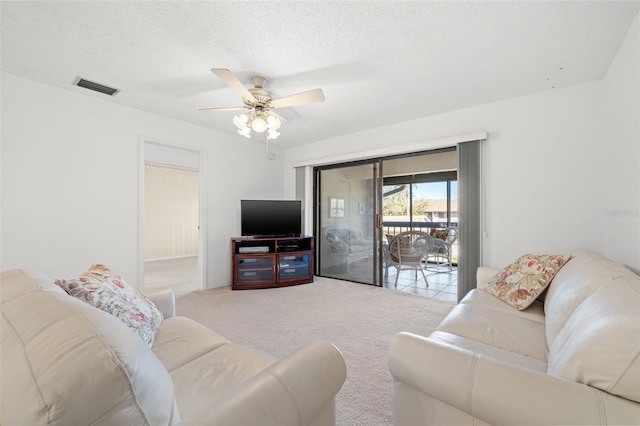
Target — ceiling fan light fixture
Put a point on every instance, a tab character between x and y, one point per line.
273	133
258	121
273	123
241	121
246	132
259	124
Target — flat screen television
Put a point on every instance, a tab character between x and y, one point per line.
271	218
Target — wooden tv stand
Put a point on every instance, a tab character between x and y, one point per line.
271	262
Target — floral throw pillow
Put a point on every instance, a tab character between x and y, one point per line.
520	283
101	288
440	234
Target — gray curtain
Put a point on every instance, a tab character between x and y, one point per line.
469	215
300	190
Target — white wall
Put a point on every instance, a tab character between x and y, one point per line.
551	164
70	166
621	152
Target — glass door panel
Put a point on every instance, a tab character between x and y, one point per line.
396	208
454	219
346	232
435	207
425	202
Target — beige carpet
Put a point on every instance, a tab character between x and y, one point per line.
359	319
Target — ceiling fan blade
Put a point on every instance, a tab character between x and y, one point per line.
309	97
231	81
223	109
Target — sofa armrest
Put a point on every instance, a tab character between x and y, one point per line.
484	274
498	392
297	390
164	299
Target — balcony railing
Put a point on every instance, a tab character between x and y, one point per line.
394	228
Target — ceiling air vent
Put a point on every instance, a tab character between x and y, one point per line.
96	87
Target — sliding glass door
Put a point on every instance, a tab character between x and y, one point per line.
348	221
359	206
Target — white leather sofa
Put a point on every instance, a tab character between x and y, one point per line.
65	362
572	358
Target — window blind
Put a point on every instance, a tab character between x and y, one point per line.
469	214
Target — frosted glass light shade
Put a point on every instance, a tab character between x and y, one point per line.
241	121
273	133
246	132
259	125
273	122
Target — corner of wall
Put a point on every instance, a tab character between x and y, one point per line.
621	152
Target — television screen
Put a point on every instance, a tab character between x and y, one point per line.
271	218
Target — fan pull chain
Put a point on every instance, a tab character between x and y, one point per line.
270	155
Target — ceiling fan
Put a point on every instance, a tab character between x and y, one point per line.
259	104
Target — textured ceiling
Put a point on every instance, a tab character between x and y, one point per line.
378	62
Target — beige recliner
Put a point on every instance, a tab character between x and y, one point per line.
65	362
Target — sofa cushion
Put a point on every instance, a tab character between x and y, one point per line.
580	277
535	311
356	248
105	290
497	328
65	362
490	351
520	283
600	343
180	340
214	375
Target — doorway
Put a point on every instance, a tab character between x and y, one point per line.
172	238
